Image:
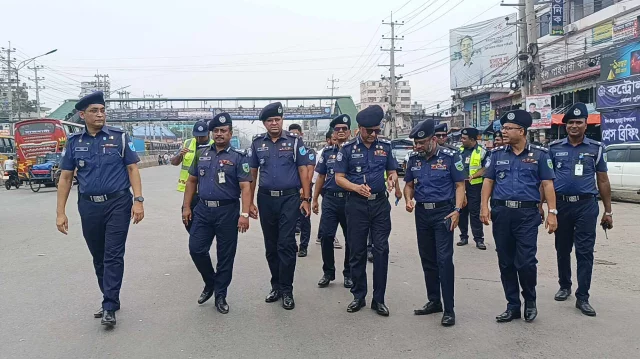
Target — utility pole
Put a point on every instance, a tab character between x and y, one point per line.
532	37
333	87
522	29
392	72
9	50
36	79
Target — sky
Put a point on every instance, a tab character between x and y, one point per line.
237	48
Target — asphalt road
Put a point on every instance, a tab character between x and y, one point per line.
48	293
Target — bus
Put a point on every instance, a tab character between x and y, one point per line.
38	137
160	147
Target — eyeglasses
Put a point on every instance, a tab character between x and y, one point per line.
441	135
505	128
372	130
341	129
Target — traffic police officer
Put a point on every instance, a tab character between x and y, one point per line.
334	200
474	158
579	163
360	169
106	164
303	224
441	134
435	178
512	178
282	160
219	173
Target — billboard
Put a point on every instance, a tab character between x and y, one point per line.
620	62
539	107
483	53
194	114
620	126
557	18
617	94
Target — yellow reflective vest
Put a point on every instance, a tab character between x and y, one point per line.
192	145
475	163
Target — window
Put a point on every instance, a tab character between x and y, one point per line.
545	24
405	91
406	106
405	98
617	155
601	4
634	155
371	91
372	99
37	128
583	8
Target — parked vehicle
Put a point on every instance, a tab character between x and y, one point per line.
623	161
400	149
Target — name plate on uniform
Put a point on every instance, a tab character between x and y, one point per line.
204	158
502	162
357	155
559	154
81	149
261	149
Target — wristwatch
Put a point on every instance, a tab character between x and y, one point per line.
610	214
554	211
245	215
139	199
457	209
308	199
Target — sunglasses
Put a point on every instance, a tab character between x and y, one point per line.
372	130
341	129
441	135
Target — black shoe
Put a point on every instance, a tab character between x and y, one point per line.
273	296
508	316
530	311
109	318
481	246
348	283
380	308
585	308
356	305
302	252
205	295
98	314
221	305
463	242
370	256
562	294
325	280
287	301
429	308
448	319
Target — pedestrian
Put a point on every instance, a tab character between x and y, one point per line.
436	180
160	159
497	139
360	168
185	157
580	163
334	199
220	174
282	160
106	163
166	158
513	177
474	158
442	135
303	224
329	137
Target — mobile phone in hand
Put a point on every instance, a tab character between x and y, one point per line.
447	223
397	200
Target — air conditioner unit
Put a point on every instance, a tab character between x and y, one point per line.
571	28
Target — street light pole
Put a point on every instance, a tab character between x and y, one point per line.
20	66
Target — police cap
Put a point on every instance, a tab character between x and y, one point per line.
329	134
271	110
341	120
576	112
94	98
370	117
200	129
423	129
471	132
521	118
221	119
441	127
497	134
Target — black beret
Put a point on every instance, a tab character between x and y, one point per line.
271	110
497	134
441	127
423	129
341	120
470	131
221	119
329	133
370	117
94	98
200	129
577	111
519	117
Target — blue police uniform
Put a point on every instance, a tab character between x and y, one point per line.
216	214
278	197
104	199
362	165
303	224
471	212
434	181
576	195
196	133
514	211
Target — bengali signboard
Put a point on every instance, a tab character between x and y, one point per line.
570	69
539	107
193	114
625	31
618	94
601	34
620	62
482	53
557	18
620	126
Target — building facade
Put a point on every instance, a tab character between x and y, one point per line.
378	92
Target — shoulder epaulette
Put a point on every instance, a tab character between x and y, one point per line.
290	134
597	143
259	135
74	135
497	149
350	142
384	141
555	142
110	128
543	149
449	152
413	153
238	150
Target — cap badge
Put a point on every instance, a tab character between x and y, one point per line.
279	109
577	112
421	134
344	119
223	120
511	116
200	128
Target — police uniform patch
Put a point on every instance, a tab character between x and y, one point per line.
559	164
488	162
312	157
501	174
358	169
302	150
245	167
339	158
132	147
81	163
549	163
262	161
202	172
64	151
459	166
604	156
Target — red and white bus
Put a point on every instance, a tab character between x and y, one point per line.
38	137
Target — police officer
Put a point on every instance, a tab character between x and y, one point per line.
185	157
303	224
474	158
441	134
219	173
512	178
282	159
497	139
360	169
106	164
435	179
579	163
334	200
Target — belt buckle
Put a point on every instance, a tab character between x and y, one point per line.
372	197
573	198
213	204
512	204
98	199
340	194
275	193
429	206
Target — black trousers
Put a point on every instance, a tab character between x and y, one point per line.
472	210
333	214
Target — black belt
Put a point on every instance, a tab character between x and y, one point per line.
372	197
572	199
286	192
514	204
104	197
434	205
339	194
225	202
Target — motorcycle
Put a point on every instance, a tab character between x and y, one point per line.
13	180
